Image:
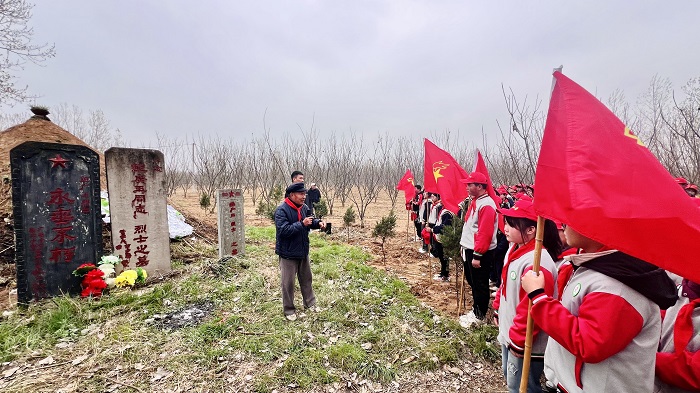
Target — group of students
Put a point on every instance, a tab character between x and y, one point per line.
603	320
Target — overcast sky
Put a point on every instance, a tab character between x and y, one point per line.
402	67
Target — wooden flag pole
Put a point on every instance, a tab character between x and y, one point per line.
539	235
460	294
408	222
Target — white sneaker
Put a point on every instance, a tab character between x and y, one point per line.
421	250
316	309
291	317
466	321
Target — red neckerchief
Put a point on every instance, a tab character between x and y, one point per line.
290	203
513	255
472	207
683	330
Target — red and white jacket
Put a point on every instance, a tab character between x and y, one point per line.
678	359
603	334
511	301
480	224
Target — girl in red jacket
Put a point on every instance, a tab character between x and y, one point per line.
511	301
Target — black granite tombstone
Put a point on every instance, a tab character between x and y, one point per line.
56	202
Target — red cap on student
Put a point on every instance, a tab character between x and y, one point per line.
475	177
521	209
681	181
693	187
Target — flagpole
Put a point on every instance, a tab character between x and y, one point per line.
539	235
408	220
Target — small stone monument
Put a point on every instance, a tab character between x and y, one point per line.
231	223
138	209
56	201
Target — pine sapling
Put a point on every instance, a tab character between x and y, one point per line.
348	218
384	229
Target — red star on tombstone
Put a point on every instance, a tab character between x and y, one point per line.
58	161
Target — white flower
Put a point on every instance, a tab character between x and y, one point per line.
107	269
110	282
110	259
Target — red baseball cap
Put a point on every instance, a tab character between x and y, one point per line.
522	209
693	187
475	177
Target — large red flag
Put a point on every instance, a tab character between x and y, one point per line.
407	185
443	175
596	175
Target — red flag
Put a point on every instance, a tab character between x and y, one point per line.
481	168
407	185
594	174
443	175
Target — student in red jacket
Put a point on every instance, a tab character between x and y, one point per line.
604	332
678	359
511	301
478	243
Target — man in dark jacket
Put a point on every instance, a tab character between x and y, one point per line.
313	196
292	223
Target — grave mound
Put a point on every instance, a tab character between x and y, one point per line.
39	129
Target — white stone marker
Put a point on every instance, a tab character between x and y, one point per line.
138	209
231	222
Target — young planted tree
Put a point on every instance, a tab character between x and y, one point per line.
348	218
321	208
384	229
204	201
267	208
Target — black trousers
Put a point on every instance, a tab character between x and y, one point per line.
478	279
439	253
419	227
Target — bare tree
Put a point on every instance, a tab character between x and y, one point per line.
16	48
8	120
367	177
210	166
177	169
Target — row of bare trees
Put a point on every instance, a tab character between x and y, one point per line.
351	170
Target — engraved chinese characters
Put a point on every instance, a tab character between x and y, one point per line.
231	224
138	208
56	199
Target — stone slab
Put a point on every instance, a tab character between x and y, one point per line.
56	202
231	222
138	209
